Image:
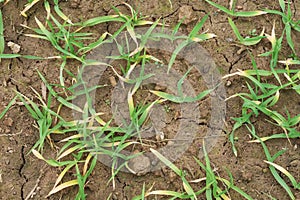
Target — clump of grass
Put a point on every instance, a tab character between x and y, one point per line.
181	98
246	41
262	96
212	189
289	23
91	135
273	167
261	99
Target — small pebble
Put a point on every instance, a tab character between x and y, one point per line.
140	165
265	170
229	39
239	7
114	197
14	47
295	163
10	150
160	136
154	162
113	81
228	83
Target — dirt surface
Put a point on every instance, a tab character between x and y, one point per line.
23	176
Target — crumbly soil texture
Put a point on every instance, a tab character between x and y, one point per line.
23	176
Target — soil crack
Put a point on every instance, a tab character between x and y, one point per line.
171	13
22	175
198	10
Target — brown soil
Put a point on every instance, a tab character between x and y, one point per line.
21	172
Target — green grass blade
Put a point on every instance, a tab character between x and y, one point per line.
60	13
9	56
61	70
237	189
290	62
181	99
209	174
166	193
238	123
253	40
144	37
285	172
102	19
203	37
235	29
237	14
51	162
249	13
282	5
180	82
63	173
69	151
189	190
245	41
272	168
52	39
275	12
94	44
32	57
282	182
198	26
176	28
32	107
80	194
224	9
10	104
274	60
62	186
166	162
290	42
175	53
